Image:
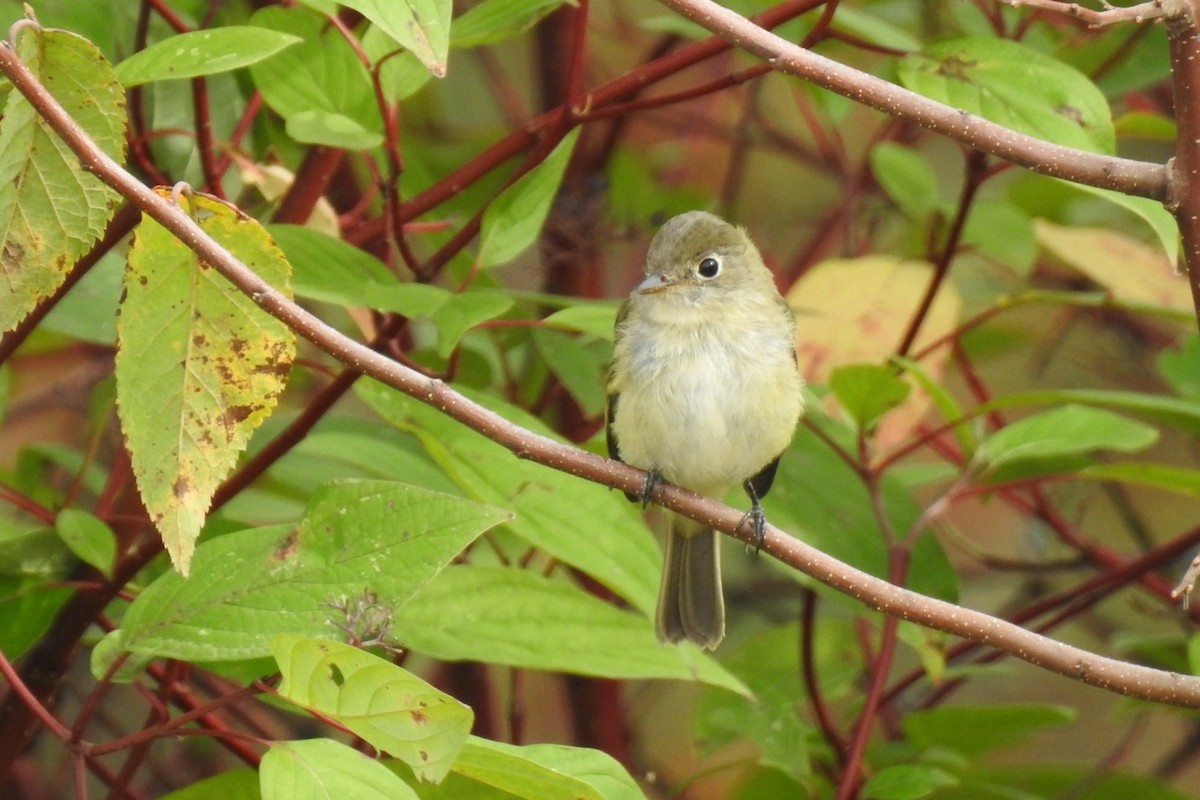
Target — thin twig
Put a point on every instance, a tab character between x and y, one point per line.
1109	15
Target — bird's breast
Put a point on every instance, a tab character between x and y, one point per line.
706	405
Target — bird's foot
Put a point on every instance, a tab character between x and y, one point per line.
758	520
654	479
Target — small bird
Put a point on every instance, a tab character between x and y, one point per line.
704	392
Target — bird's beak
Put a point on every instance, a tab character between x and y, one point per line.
653	284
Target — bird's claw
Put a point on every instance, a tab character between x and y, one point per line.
654	479
758	519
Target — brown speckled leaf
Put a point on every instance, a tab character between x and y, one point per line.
51	211
199	366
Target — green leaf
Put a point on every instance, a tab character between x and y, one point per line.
868	391
1180	480
597	319
236	784
325	268
535	772
1177	412
89	538
320	769
51	210
600	771
389	707
206	52
27	607
358	540
907	178
1016	86
199	365
420	26
516	617
515	217
317	80
580	368
617	550
332	129
1067	431
1181	367
906	782
462	311
496	20
974	730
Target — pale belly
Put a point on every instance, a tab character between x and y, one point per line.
710	414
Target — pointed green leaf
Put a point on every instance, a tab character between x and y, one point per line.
1068	431
420	26
522	619
89	538
51	210
867	391
358	540
321	769
206	52
514	219
389	707
199	366
1016	86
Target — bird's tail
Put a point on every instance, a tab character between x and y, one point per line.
690	603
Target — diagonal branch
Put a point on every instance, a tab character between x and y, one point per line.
1107	673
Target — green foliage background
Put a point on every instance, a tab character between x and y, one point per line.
1014	446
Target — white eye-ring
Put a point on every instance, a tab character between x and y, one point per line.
709	267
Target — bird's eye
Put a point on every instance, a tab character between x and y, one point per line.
709	267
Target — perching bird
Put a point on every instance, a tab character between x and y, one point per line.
704	392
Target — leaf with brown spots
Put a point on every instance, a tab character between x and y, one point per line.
51	210
389	707
199	366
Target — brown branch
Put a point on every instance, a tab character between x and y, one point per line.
1110	15
1184	198
1107	673
1122	174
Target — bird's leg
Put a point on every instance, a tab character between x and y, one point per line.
654	479
756	516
